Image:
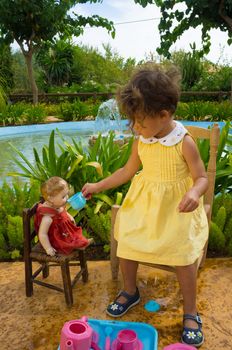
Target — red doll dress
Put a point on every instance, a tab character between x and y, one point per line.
63	234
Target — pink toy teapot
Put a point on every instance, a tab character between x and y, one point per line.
78	335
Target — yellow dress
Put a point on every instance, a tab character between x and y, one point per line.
148	226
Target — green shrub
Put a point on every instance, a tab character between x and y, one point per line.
15	234
216	238
206	110
22	113
78	110
34	114
218	78
220	235
13	198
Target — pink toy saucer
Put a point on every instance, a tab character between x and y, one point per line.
179	346
138	347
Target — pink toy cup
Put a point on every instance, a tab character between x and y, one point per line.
76	335
127	340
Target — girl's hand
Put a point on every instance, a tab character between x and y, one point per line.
189	202
90	188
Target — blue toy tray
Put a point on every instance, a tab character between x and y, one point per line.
147	334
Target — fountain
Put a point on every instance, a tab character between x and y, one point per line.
109	118
108	114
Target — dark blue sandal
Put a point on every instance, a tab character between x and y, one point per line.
191	336
116	309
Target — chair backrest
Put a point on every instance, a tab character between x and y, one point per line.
212	135
28	229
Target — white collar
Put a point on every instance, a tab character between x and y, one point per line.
174	137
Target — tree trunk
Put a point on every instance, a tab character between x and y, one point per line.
34	88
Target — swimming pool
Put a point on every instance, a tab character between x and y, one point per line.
25	138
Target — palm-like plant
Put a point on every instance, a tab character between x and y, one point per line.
56	61
100	160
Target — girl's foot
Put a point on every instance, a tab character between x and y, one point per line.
117	309
192	335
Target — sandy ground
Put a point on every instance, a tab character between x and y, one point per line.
35	323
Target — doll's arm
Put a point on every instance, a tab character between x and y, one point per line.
71	217
43	235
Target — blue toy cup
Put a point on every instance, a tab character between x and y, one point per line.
77	201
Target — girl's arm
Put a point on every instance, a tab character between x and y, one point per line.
43	235
119	177
190	201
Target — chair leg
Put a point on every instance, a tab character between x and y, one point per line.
67	283
28	276
45	270
114	261
84	267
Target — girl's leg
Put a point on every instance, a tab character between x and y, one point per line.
129	272
187	277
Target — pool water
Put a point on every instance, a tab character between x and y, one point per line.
25	138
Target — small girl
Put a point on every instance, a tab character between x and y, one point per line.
55	226
162	219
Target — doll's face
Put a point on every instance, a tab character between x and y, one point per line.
59	199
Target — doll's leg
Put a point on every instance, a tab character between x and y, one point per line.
187	277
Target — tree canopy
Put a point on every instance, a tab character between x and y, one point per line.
32	22
210	14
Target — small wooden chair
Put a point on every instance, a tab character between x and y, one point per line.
37	253
197	133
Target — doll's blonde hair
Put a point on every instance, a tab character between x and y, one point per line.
53	186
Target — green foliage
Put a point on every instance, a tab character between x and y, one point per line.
97	72
104	151
99	225
15	232
206	110
220	218
223	181
190	65
13	198
205	13
2	94
77	110
21	80
215	78
6	66
220	235
56	60
216	238
22	113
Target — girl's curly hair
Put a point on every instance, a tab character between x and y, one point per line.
149	91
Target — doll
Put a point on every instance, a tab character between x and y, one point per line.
56	228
